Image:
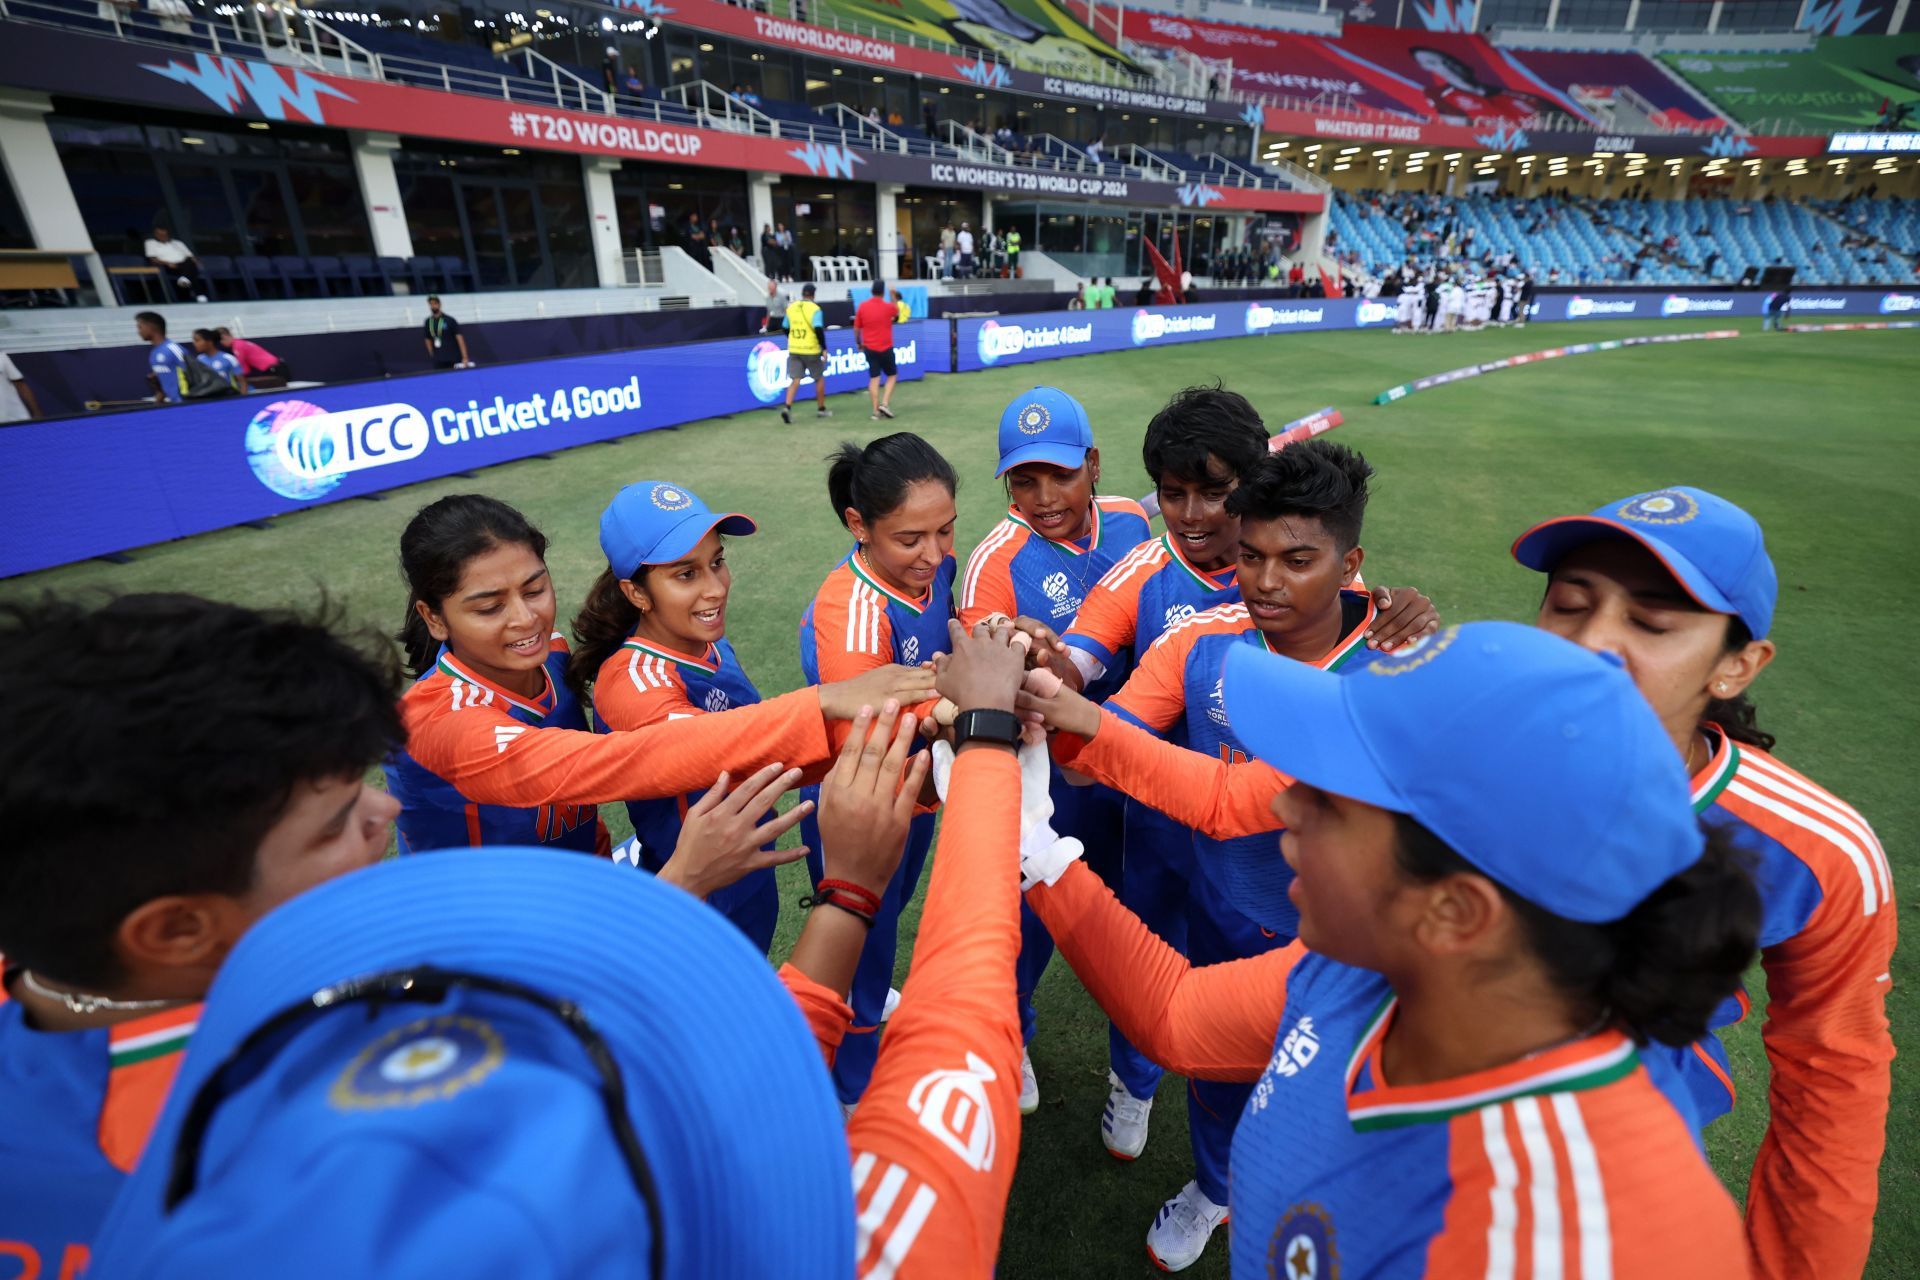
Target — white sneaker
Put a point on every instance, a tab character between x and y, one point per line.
893	1002
1181	1229
199	297
1029	1085
1123	1125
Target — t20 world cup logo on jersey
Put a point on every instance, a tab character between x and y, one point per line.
767	371
1217	703
1060	594
910	651
717	700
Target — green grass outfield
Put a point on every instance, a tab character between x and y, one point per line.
1815	433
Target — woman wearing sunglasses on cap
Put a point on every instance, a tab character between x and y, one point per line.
1492	921
653	645
497	745
1678	584
1056	541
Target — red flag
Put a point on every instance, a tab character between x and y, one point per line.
1169	278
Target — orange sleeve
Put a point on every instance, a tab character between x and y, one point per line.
1155	693
1816	1179
987	584
937	1135
1108	619
852	635
494	759
1217	1022
633	690
1217	799
827	1015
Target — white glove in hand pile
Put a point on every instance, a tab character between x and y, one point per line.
1044	855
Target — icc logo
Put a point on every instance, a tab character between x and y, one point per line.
998	340
300	450
1218	711
767	371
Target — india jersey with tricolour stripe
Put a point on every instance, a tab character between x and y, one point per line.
1018	571
1827	934
856	622
79	1106
1147	591
434	814
1569	1163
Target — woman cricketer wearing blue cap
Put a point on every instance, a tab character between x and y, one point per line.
497	749
1058	538
1678	584
652	639
1503	895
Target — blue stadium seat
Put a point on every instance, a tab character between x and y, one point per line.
331	275
455	272
295	271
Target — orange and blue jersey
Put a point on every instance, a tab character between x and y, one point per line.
1019	571
80	1105
1177	684
855	623
644	683
1570	1162
1827	935
435	813
1147	590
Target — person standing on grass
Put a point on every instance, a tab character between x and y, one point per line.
652	643
806	327
889	600
1057	539
498	751
1499	924
446	345
874	321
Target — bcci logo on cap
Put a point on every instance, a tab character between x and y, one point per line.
1413	656
427	1060
767	371
1302	1247
301	451
1664	506
1034	419
668	498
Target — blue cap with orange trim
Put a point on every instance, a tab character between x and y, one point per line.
655	522
517	1091
1714	549
1044	425
1536	761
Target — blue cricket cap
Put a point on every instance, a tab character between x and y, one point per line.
655	522
1712	548
1044	425
471	1133
1536	761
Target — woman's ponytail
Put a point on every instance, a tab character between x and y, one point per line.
601	627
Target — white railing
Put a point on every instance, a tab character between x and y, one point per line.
976	146
750	285
877	136
1150	165
570	89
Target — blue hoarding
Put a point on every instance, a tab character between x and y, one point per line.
74	489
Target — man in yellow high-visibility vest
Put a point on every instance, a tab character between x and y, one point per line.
806	327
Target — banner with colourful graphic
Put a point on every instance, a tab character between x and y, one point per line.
1034	32
214	463
1853	82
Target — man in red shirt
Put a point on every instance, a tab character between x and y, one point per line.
1297	278
873	321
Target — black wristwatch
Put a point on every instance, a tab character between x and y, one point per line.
1001	728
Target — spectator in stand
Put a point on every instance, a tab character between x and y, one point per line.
770	252
894	119
176	263
873	322
261	367
927	118
873	114
176	18
785	238
947	241
697	241
206	349
166	362
17	403
1077	300
1144	295
1094	149
443	338
610	69
1296	279
632	83
964	244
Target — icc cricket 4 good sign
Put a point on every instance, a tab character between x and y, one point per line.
214	463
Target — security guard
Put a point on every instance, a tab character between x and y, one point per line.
806	327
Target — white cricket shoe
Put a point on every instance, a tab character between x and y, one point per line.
893	1002
1181	1229
1029	1085
1123	1125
